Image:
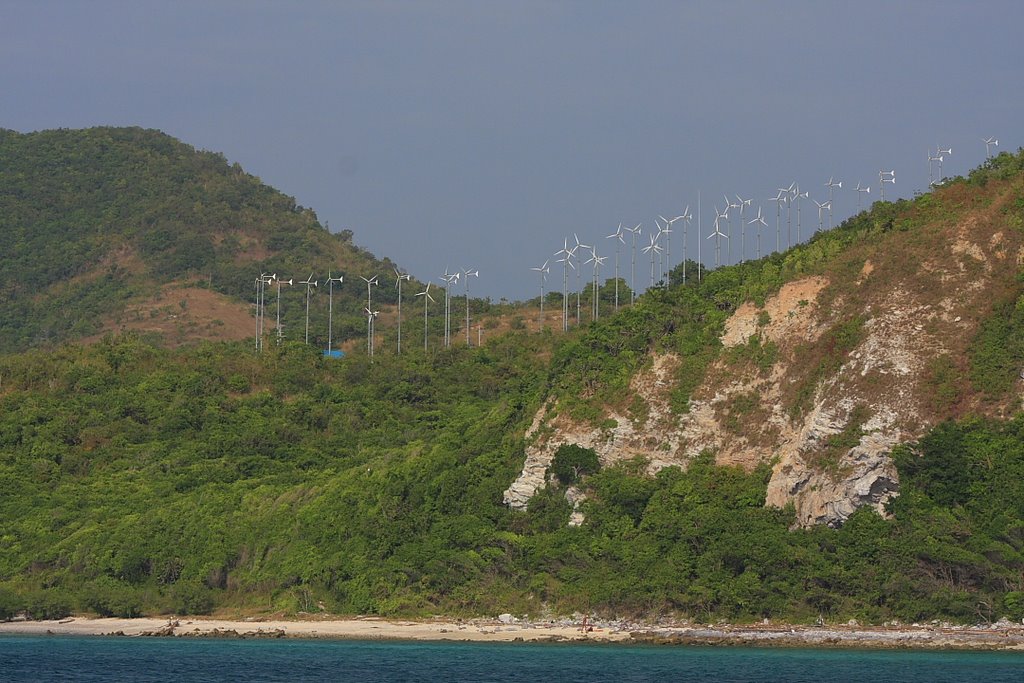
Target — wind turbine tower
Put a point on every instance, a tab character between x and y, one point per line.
653	249
718	235
261	306
370	317
543	270
886	177
595	311
822	206
399	276
989	142
668	244
617	235
743	204
861	191
788	192
280	330
798	196
467	273
831	184
579	245
426	297
632	265
943	153
370	282
310	284
566	262
687	218
330	307
778	199
450	279
759	219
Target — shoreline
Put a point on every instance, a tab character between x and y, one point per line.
998	637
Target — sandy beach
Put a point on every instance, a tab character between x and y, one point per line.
1003	636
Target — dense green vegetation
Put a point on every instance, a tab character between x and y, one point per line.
137	479
134	479
94	218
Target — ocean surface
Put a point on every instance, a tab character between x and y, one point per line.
181	660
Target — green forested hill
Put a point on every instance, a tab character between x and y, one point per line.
135	478
93	219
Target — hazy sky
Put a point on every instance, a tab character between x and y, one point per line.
478	134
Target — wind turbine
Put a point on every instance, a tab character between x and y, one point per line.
632	264
426	297
942	154
759	219
566	262
729	205
778	199
931	161
668	244
449	279
579	245
467	273
687	218
280	332
543	270
831	185
310	283
822	206
370	317
330	306
718	235
261	305
743	203
399	276
788	192
597	261
886	177
988	146
860	191
653	248
369	307
617	235
798	195
661	256
258	284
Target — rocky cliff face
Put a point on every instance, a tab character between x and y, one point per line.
853	372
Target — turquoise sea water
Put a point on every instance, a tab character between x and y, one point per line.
179	660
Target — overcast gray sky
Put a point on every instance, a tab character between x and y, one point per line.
478	134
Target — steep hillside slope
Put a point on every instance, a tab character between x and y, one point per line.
822	359
119	228
136	478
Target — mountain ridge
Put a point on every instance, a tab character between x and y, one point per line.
101	219
864	346
137	477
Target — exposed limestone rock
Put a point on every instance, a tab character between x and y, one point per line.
911	315
657	438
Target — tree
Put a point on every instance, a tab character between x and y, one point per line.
572	461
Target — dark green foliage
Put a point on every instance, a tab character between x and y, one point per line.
191	597
109	597
93	218
572	461
997	354
50	603
9	603
548	510
135	479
